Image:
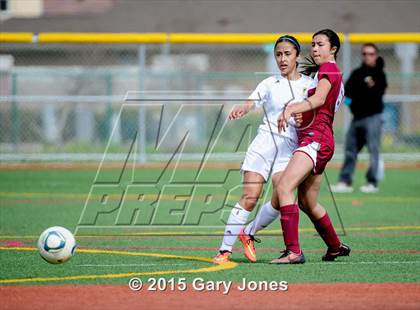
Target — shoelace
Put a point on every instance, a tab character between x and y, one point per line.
257	240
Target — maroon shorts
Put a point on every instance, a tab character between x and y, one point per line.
319	152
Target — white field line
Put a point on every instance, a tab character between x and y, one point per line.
310	263
365	263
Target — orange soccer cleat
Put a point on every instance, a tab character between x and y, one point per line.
222	257
248	246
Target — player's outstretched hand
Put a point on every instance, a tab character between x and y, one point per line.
238	112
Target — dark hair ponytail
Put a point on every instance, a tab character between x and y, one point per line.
310	67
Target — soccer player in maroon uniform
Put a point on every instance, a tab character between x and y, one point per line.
315	149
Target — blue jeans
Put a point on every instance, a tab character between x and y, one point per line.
365	131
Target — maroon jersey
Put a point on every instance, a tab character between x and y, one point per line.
320	121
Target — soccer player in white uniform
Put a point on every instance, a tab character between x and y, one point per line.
269	152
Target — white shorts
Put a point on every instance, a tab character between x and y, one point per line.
268	153
311	150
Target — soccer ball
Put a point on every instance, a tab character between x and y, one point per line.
56	245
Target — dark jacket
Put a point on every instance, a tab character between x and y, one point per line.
366	101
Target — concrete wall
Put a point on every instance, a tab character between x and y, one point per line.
226	16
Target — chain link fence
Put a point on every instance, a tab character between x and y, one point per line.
64	102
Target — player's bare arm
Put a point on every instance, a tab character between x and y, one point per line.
239	111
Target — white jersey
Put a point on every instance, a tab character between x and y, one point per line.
273	93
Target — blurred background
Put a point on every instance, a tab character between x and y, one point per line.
61	95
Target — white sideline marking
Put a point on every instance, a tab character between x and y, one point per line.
311	263
367	263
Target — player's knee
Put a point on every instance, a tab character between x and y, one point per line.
284	188
249	202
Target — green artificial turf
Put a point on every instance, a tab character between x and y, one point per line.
383	229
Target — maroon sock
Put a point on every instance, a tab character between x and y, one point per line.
327	232
290	223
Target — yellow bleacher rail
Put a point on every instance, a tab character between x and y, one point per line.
384	37
16	37
102	38
191	38
232	38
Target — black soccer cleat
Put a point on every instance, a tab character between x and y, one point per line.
344	250
288	257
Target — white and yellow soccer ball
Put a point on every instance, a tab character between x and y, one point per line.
56	245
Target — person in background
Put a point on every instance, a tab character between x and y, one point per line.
364	91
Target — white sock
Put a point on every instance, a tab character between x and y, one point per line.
265	217
237	219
